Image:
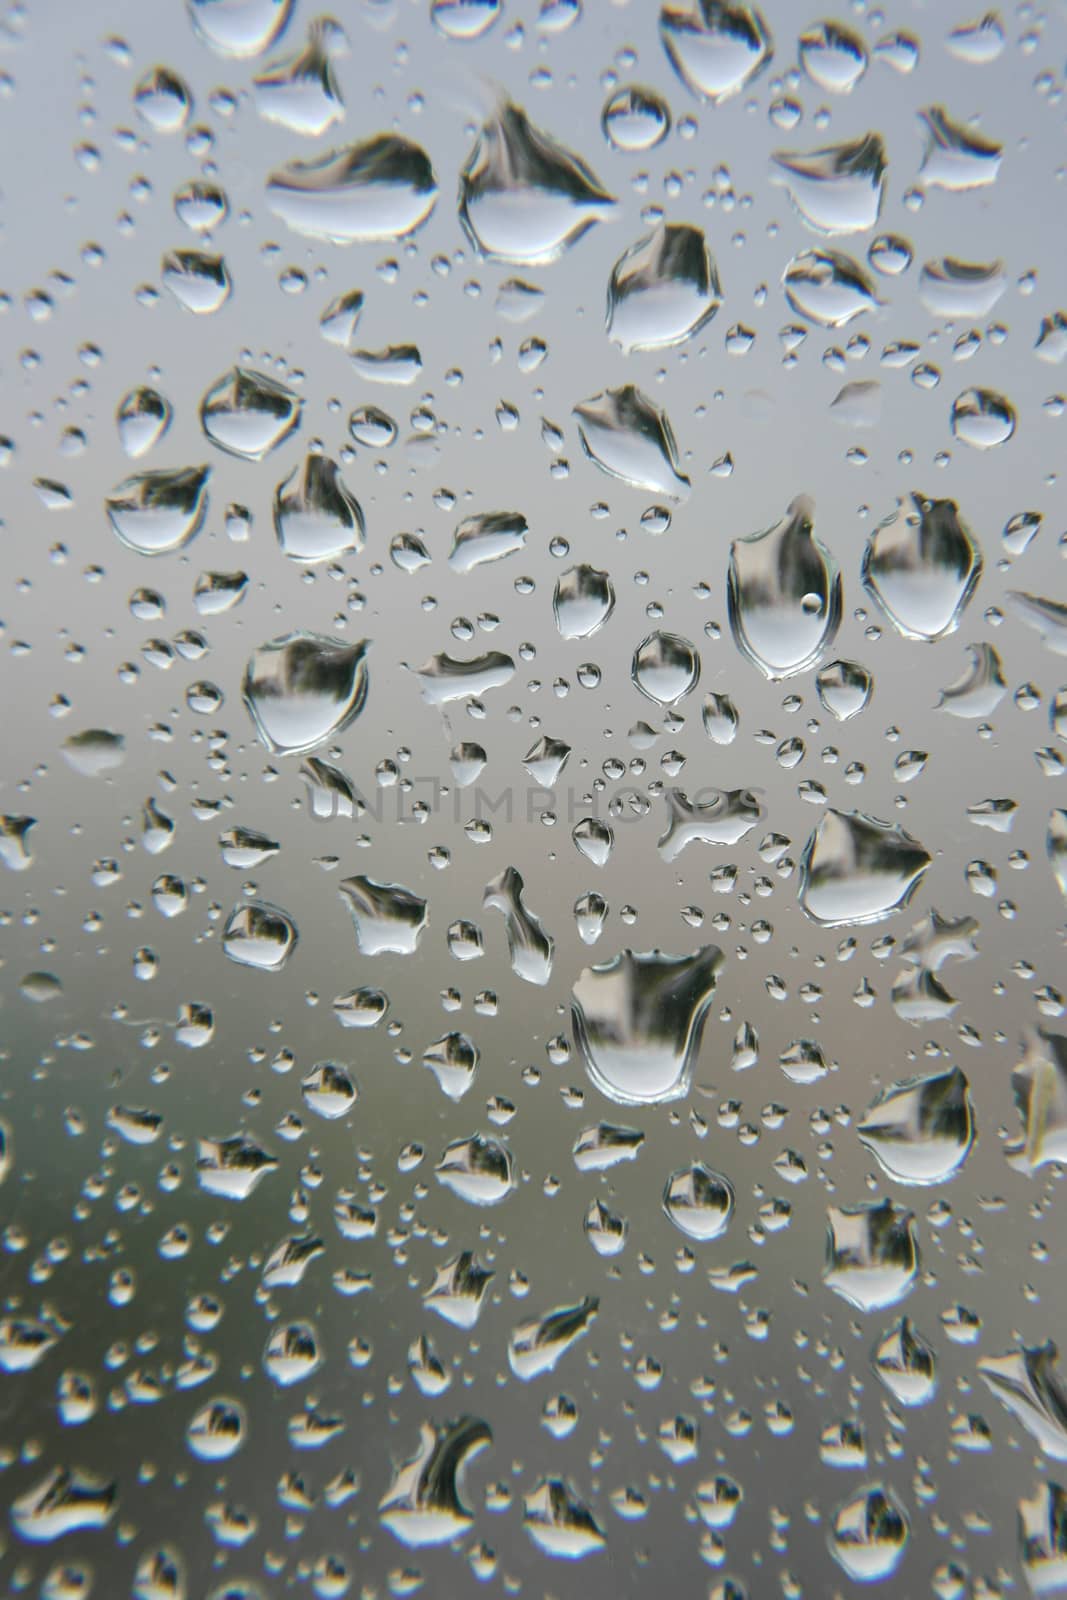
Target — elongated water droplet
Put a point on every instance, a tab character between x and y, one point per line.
1027	1383
479	1169
844	689
239	27
453	1060
443	678
303	688
536	1347
638	1021
725	819
1039	1088
981	688
232	1168
66	1500
599	1148
459	1289
720	718
906	1364
524	197
530	947
259	935
583	601
487	537
963	289
381	189
15	851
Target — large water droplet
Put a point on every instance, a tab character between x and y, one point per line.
1039	1087
630	438
982	418
872	1254
162	100
157	512
530	947
951	288
303	688
638	1021
381	189
665	668
559	1523
487	537
142	419
239	27
906	1364
316	518
232	1168
524	197
844	689
784	594
725	819
955	158
453	1060
663	290
423	1505
828	288
199	281
458	1290
921	1129
247	414
856	870
716	49
699	1202
67	1500
259	935
832	56
922	566
301	92
443	678
981	688
387	917
1027	1384
536	1347
583	601
839	189
635	119
869	1534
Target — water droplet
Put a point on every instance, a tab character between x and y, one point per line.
316	518
604	1146
784	594
559	1523
982	419
828	288
1039	1088
524	197
956	159
487	537
872	1254
247	414
464	19
232	1168
921	1129
94	752
844	689
530	947
142	419
458	1290
381	189
328	1090
536	1347
239	27
981	688
663	290
292	1354
638	1020
583	601
717	49
200	282
162	100
443	678
832	56
259	935
217	1431
906	1364
725	819
15	851
479	1169
961	289
838	189
453	1060
387	917
665	668
889	254
856	870
720	718
423	1504
869	1534
303	688
977	43
301	92
635	119
157	512
699	1202
67	1500
922	566
1027	1384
